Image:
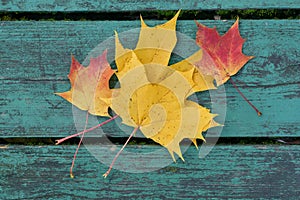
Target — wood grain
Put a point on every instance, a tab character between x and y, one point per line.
248	172
35	61
133	5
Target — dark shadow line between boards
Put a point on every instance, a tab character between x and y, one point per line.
150	14
40	141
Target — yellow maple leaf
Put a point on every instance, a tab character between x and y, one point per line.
153	96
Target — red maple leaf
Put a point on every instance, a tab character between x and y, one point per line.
222	55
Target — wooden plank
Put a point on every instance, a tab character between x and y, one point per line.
45	115
248	172
36	57
132	5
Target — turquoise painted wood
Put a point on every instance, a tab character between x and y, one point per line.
243	172
35	59
34	63
133	5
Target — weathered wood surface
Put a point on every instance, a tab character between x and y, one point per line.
247	172
35	59
134	5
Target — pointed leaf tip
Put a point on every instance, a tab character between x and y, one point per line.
143	24
171	24
116	33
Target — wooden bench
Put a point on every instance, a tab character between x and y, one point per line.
35	60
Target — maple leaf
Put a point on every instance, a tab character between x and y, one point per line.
153	95
222	55
89	92
90	86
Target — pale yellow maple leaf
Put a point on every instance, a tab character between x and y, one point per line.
153	96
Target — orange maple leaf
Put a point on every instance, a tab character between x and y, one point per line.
90	86
222	55
89	91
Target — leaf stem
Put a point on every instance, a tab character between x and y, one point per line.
87	130
244	97
117	155
75	154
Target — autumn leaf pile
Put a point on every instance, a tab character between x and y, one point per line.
152	96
